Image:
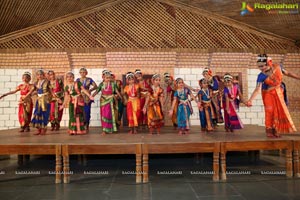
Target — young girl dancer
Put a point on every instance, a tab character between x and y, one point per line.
118	103
132	92
213	84
231	99
42	107
108	90
25	102
153	106
89	85
73	89
184	108
170	86
205	107
57	89
144	90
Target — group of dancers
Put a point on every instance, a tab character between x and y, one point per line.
149	102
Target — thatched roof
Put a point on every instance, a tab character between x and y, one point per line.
19	14
146	24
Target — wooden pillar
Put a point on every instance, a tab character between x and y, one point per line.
296	162
58	167
289	163
145	168
216	166
223	162
66	164
138	163
145	163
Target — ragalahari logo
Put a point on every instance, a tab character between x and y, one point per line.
246	8
271	8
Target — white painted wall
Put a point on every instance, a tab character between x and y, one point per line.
9	80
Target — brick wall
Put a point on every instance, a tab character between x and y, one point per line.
291	62
186	65
149	62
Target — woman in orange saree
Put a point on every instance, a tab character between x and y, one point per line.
277	116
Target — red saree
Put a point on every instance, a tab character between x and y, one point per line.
25	106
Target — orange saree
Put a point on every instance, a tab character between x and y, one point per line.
154	111
133	104
277	115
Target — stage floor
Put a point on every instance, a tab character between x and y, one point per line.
168	135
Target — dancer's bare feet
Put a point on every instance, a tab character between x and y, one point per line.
52	127
38	132
57	127
43	131
150	131
275	133
270	133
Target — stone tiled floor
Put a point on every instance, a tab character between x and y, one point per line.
186	179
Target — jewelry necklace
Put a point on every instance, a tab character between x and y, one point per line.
71	86
107	85
206	93
133	90
41	83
